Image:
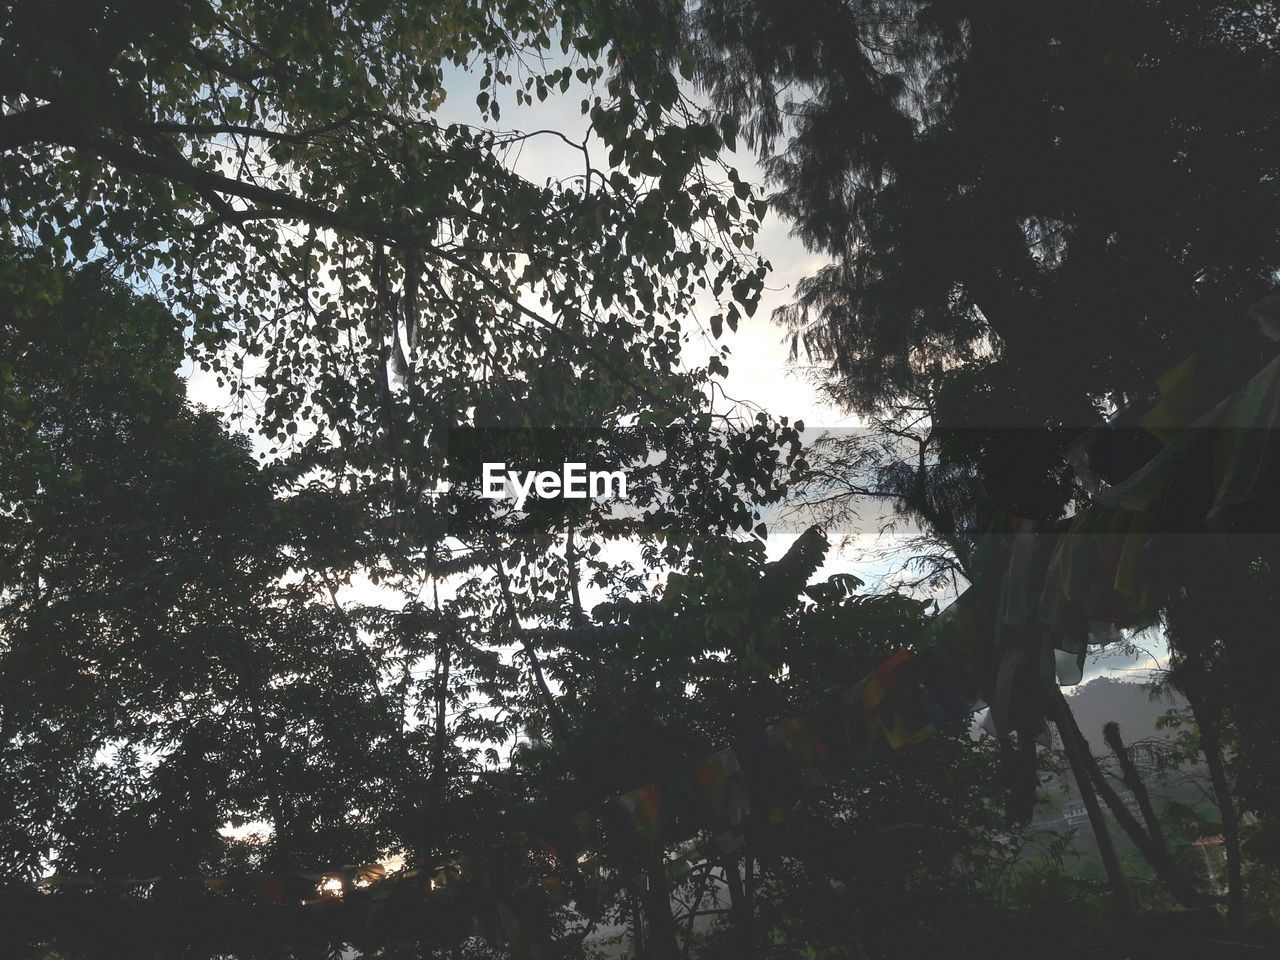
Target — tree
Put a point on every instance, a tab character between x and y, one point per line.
158	677
362	275
734	642
162	675
1024	213
1036	198
392	300
290	191
1030	216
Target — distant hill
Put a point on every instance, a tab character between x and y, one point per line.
1127	703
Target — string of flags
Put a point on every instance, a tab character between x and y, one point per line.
1042	594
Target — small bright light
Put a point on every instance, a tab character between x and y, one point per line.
330	887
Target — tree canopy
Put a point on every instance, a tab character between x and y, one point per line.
252	659
1034	219
1030	214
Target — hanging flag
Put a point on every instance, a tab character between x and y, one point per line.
769	777
721	777
1176	406
1246	459
796	737
905	713
644	805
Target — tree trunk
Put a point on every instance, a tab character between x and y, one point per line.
662	942
699	893
554	716
576	617
1133	780
1152	847
737	897
1068	730
1211	746
440	738
637	926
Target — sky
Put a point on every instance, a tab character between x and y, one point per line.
761	371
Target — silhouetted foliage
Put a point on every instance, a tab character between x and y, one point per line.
298	639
